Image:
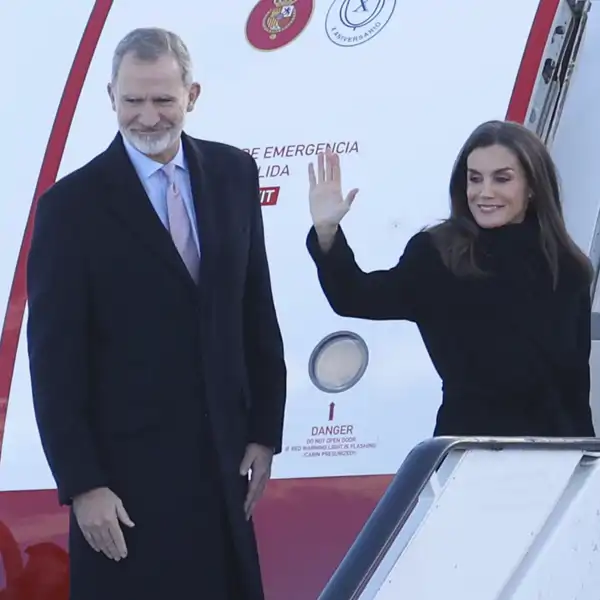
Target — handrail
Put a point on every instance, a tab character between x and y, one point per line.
395	507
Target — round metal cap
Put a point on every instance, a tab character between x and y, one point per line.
338	362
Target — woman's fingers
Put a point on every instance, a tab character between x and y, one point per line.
321	167
312	178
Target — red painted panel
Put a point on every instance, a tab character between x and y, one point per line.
305	527
531	61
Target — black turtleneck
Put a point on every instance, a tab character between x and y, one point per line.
511	349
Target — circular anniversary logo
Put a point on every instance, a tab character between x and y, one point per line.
354	22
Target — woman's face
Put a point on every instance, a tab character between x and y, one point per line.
497	189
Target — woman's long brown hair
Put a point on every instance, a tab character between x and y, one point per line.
455	237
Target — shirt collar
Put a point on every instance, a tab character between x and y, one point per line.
145	166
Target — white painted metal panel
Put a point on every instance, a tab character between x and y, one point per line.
406	100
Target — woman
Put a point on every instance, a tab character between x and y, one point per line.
499	291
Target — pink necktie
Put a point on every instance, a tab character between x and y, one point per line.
180	225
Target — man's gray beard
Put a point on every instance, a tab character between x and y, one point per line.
151	145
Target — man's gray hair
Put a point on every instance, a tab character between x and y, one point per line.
150	44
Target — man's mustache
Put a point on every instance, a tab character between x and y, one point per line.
155	130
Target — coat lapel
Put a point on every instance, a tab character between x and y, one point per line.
203	190
128	201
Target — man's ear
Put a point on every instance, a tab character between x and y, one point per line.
194	94
111	95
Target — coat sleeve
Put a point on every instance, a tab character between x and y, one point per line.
397	293
263	342
580	384
57	337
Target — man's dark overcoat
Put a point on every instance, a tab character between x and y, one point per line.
150	384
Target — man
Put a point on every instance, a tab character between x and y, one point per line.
155	352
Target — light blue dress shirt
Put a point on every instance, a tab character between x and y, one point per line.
155	184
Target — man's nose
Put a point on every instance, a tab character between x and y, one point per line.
149	116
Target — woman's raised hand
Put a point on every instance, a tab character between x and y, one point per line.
327	204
